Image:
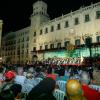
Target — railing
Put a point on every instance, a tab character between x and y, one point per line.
95	87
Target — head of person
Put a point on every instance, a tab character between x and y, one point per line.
6	95
74	90
96	76
45	87
16	89
84	78
29	75
9	76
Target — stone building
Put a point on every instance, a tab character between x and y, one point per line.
72	35
1	23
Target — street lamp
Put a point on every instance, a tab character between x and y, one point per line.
88	42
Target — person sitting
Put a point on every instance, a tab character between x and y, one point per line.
89	93
29	83
9	80
74	90
43	91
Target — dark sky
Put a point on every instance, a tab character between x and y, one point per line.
16	13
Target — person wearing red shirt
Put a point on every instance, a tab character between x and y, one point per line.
89	93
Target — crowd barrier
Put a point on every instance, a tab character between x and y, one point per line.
95	87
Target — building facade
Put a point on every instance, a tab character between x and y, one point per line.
1	23
70	35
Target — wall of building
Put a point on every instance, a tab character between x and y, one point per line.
39	33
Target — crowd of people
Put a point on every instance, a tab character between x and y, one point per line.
62	61
23	82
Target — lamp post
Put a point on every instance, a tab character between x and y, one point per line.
88	43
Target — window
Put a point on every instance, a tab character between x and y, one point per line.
18	47
46	47
27	51
46	30
34	48
34	40
87	18
98	39
22	52
51	46
76	21
66	43
66	24
58	45
97	14
23	40
18	41
27	45
41	32
34	34
52	28
77	42
22	45
40	47
27	39
18	52
58	26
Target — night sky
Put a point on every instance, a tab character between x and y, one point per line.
16	13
